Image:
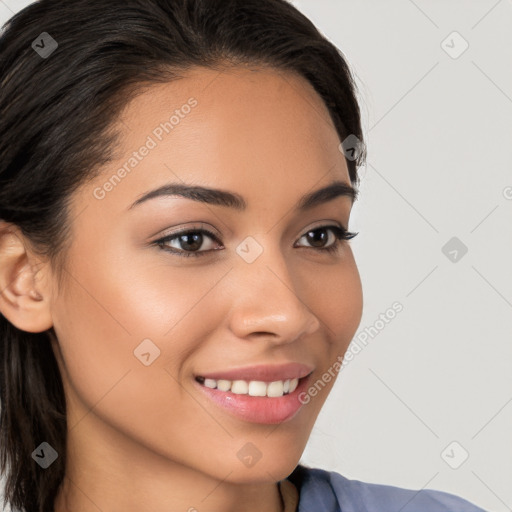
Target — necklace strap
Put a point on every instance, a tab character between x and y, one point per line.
289	495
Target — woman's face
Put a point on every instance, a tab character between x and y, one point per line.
137	323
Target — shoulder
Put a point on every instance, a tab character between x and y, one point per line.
326	491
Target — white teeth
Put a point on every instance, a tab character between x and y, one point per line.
224	385
275	388
254	387
257	388
210	383
240	387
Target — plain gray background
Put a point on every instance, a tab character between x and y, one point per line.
427	402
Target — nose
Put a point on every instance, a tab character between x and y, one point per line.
268	303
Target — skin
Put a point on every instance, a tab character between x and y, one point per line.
143	437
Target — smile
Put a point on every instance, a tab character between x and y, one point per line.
255	401
253	387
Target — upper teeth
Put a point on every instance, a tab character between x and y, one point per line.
253	387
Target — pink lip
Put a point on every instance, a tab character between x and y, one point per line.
258	409
265	373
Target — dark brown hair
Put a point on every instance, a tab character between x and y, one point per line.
57	114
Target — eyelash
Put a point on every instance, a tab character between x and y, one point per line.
340	234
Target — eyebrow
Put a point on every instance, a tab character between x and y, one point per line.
232	200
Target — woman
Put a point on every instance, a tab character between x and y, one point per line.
176	180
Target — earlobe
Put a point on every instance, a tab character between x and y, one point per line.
24	301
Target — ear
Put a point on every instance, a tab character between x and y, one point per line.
24	290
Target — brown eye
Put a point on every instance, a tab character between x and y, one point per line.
318	238
187	243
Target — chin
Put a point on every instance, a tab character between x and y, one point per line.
264	471
269	457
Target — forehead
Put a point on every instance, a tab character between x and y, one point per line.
237	128
247	106
231	89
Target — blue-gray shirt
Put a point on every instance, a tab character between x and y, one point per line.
328	491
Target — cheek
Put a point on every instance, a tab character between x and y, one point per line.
119	300
107	312
117	310
336	298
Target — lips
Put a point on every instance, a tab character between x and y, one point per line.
265	373
276	407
